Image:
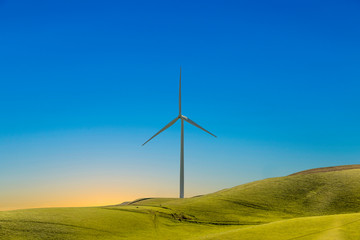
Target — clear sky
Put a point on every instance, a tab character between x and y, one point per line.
84	83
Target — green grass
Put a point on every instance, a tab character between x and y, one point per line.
97	223
323	205
337	227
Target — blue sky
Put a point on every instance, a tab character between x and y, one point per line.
84	83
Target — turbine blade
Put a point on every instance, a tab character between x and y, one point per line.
163	129
180	93
195	124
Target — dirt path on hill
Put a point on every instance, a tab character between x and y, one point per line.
332	233
336	233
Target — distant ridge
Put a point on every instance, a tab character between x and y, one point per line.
328	169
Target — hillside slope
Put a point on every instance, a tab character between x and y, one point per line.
316	194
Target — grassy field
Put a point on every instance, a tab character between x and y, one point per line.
311	205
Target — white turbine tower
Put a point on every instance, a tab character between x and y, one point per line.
183	118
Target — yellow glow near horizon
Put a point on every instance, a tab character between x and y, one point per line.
82	199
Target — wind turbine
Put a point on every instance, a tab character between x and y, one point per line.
182	118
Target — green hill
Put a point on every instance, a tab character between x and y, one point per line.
313	204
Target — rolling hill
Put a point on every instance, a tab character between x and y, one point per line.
314	204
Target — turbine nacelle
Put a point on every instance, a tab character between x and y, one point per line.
186	119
